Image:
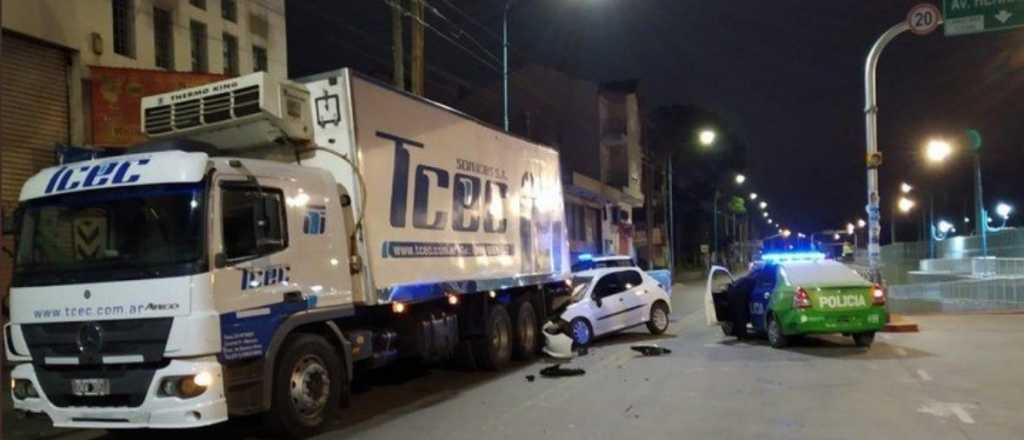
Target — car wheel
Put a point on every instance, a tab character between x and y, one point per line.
658	321
307	386
526	338
494	350
864	339
775	336
582	332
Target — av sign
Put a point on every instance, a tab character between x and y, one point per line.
975	16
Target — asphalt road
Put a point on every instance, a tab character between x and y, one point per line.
958	378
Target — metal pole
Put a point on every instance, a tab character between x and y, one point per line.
931	225
670	191
892	227
714	226
979	206
504	62
871	125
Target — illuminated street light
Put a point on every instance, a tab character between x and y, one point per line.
1004	210
905	188
763	205
764	214
786	233
849	229
938	150
946	227
967	219
769	221
753	196
707	137
861	223
905	205
836	236
740	179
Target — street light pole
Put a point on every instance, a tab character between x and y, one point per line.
979	206
871	126
504	62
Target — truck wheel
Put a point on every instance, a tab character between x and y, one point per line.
307	386
864	339
524	346
658	322
495	350
775	336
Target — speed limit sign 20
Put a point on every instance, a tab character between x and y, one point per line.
924	18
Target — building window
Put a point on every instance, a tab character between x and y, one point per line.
229	10
259	59
163	38
124	27
201	4
198	37
230	54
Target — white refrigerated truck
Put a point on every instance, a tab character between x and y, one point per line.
273	240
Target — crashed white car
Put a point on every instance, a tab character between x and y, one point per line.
614	299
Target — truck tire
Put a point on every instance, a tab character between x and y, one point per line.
494	350
307	386
775	336
525	338
658	321
864	339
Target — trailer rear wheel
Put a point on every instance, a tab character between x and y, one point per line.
307	386
524	346
494	350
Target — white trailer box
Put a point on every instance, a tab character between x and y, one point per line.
452	205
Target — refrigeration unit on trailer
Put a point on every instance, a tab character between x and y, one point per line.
271	241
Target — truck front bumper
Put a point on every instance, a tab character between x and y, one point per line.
155	412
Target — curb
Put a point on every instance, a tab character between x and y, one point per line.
899	324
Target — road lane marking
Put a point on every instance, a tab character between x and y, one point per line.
900	352
962	414
924	375
947	409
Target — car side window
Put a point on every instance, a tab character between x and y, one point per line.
631	278
608	285
253	222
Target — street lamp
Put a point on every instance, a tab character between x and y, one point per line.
945	227
905	188
763	205
861	223
707	137
906	205
938	150
1004	210
769	221
764	214
786	233
850	229
753	196
835	236
740	179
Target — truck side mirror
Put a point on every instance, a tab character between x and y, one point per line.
220	260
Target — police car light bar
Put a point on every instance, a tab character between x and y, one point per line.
585	257
785	257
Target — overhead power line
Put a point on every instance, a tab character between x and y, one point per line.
447	38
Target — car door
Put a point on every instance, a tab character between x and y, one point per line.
760	297
635	298
609	303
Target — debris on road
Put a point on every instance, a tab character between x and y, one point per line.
650	350
530	377
557	371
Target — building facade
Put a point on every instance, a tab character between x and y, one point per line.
72	71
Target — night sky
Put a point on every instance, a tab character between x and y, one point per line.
785	76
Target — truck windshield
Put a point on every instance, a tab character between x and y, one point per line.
109	235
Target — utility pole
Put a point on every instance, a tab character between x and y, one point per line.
397	48
417	47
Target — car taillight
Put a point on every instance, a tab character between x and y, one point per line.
801	300
877	295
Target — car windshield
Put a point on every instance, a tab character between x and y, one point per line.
107	235
579	287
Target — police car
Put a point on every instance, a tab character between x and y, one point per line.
790	294
609	300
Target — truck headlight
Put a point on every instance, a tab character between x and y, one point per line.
185	387
23	389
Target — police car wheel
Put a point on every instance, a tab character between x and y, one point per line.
307	386
864	339
658	321
775	336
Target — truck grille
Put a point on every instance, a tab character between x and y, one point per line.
203	110
146	337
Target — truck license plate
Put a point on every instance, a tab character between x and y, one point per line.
90	387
